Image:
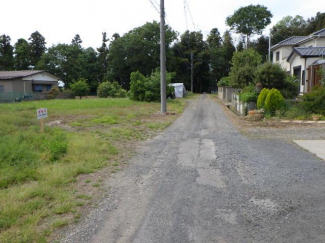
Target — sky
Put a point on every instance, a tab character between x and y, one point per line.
60	20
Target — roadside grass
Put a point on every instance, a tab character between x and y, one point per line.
40	183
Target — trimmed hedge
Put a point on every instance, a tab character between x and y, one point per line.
261	98
274	101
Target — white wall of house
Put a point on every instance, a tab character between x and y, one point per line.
320	42
304	63
284	52
316	42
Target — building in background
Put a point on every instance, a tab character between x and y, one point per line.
303	57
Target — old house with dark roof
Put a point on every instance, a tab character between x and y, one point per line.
30	84
303	57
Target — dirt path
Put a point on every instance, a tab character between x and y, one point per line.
203	181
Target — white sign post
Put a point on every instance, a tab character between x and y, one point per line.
41	114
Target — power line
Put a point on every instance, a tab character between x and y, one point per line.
189	11
153	5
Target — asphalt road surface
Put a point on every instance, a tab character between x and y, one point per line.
201	180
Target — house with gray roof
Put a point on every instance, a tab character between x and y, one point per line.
301	56
26	84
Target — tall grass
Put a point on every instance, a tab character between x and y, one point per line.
39	171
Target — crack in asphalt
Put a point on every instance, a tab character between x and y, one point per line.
201	180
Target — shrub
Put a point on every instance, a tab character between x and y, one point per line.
148	89
314	102
80	88
295	112
244	64
274	100
248	94
261	98
53	93
290	88
112	89
271	75
224	82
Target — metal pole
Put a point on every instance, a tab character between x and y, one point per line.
192	72
162	58
270	47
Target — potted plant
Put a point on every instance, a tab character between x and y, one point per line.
316	117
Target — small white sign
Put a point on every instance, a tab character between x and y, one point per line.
41	113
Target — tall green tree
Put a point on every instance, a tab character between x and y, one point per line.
138	50
37	47
261	45
287	27
229	50
192	43
244	65
315	23
22	55
6	53
103	55
250	20
76	40
214	38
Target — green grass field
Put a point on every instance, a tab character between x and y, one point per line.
41	173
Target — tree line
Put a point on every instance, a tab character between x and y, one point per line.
139	50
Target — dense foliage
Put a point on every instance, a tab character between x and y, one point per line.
315	101
243	68
261	98
274	101
118	56
250	20
111	89
224	82
296	26
148	88
248	94
80	88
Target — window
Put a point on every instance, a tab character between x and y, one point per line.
48	87
37	88
2	88
277	56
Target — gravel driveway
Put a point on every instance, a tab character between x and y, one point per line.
203	181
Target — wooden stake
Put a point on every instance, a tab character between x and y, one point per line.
42	125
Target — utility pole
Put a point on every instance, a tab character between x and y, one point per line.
270	47
192	72
163	85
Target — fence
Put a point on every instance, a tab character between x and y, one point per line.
8	97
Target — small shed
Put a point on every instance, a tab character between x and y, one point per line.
180	90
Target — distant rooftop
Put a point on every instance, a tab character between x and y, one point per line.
18	74
295	40
308	52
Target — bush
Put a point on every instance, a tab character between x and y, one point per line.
80	88
66	94
248	94
271	75
274	101
296	112
244	64
53	93
224	82
290	88
148	89
112	89
261	98
314	102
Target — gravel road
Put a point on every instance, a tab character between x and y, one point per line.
202	180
